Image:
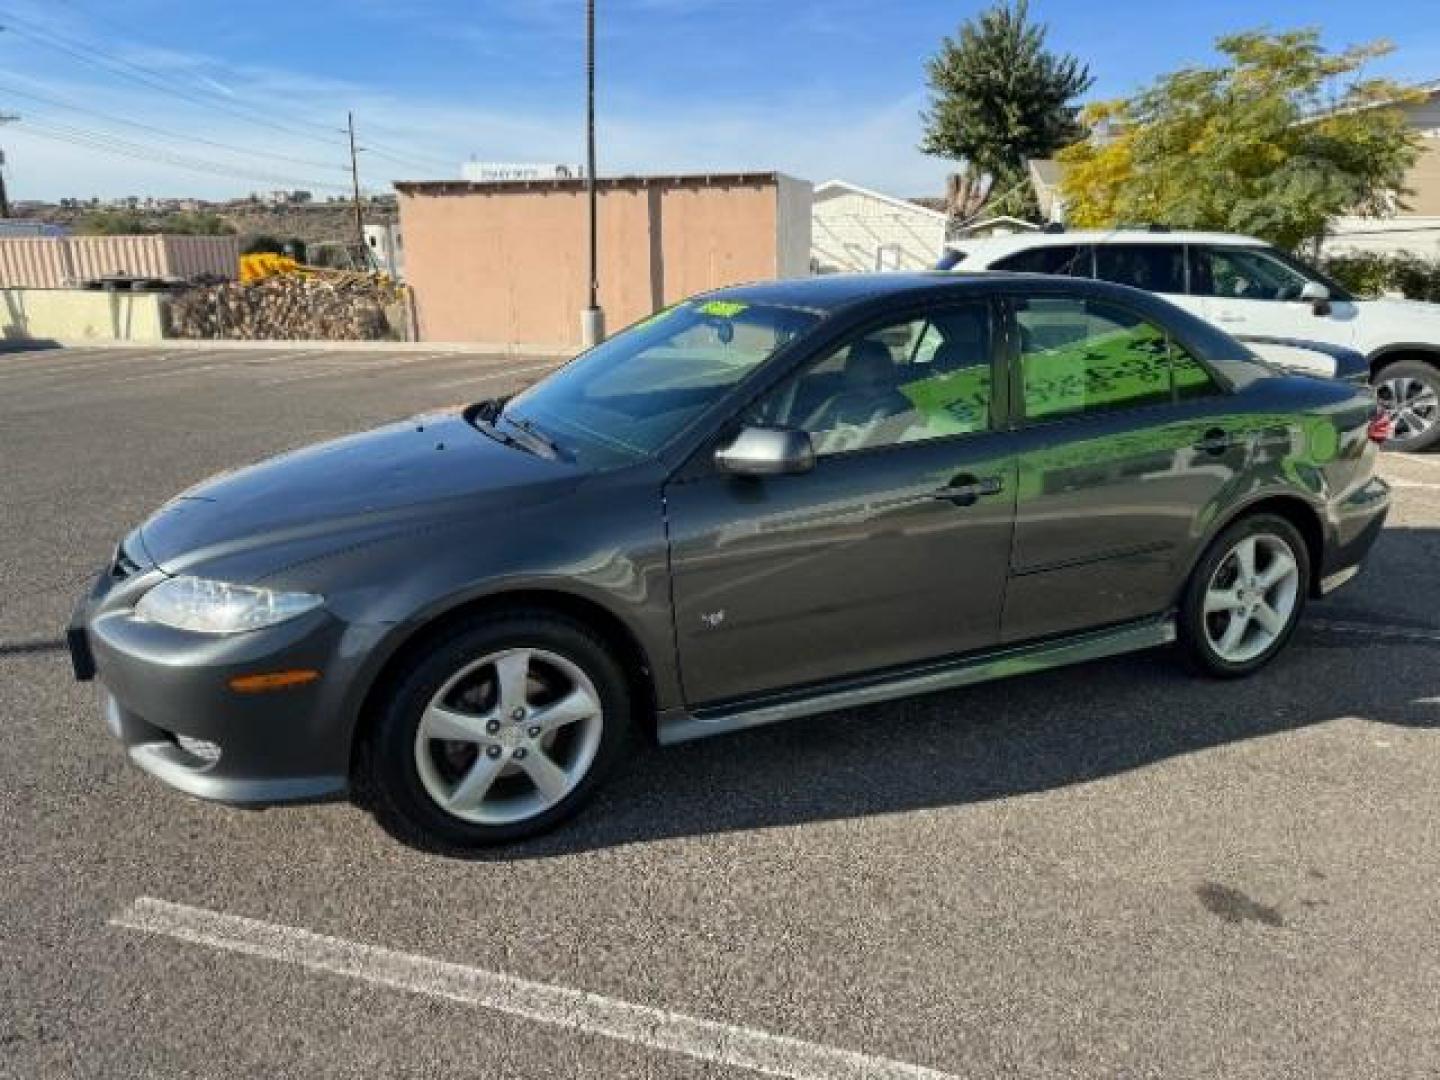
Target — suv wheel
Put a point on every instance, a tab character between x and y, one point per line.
500	732
1409	390
1245	597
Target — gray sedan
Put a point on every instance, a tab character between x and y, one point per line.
766	502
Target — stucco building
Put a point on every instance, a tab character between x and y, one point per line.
507	263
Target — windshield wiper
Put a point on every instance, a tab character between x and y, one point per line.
539	440
485	427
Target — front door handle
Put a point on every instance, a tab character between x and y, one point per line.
1216	441
967	490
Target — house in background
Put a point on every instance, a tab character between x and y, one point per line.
1045	177
1415	225
856	230
1003	225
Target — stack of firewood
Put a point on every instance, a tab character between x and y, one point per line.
288	307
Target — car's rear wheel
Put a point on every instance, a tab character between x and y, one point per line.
1245	597
1409	390
501	731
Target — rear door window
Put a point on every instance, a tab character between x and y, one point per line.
1079	357
1062	259
1157	268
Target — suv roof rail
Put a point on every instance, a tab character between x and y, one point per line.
1053	227
1155	226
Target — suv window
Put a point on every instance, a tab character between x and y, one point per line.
925	378
1158	268
1084	356
1243	274
1065	259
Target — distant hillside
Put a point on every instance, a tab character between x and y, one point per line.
311	222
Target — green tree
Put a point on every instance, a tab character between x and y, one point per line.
1276	142
998	96
140	223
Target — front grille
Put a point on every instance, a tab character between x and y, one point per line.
205	752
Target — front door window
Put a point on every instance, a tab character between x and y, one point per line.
924	378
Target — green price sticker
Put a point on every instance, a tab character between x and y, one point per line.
722	309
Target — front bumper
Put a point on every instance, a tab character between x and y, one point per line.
165	695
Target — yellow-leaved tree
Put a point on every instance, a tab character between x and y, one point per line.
1276	142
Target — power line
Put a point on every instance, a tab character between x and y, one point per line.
155	81
153	154
425	161
198	95
139	126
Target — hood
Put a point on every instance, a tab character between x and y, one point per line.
1407	311
428	468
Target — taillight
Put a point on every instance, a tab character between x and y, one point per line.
1382	427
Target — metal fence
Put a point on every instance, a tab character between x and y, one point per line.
57	262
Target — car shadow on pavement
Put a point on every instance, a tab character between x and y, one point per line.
1025	735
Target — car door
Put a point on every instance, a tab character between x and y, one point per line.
1252	292
1122	438
893	549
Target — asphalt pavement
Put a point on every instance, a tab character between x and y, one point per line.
1111	870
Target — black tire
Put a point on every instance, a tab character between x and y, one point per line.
1426	374
390	776
1196	647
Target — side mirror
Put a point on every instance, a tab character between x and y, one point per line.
1318	296
761	451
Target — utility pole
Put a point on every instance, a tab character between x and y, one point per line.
592	322
355	181
5	118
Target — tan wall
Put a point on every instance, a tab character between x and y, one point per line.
1424	181
72	316
509	265
56	262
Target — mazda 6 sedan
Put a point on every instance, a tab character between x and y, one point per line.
765	502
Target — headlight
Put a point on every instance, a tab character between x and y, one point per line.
214	607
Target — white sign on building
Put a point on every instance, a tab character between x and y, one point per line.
494	172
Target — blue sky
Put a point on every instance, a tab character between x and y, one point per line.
816	89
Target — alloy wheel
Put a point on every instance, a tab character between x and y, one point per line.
1413	406
508	736
1251	598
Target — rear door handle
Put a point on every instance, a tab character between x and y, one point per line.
966	490
1215	441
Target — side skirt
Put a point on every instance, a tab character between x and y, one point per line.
679	725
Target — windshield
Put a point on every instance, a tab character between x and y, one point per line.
627	398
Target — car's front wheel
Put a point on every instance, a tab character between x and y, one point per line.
1409	390
500	731
1245	597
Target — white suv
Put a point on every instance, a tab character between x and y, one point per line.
1255	292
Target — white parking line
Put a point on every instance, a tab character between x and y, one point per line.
659	1029
491	376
